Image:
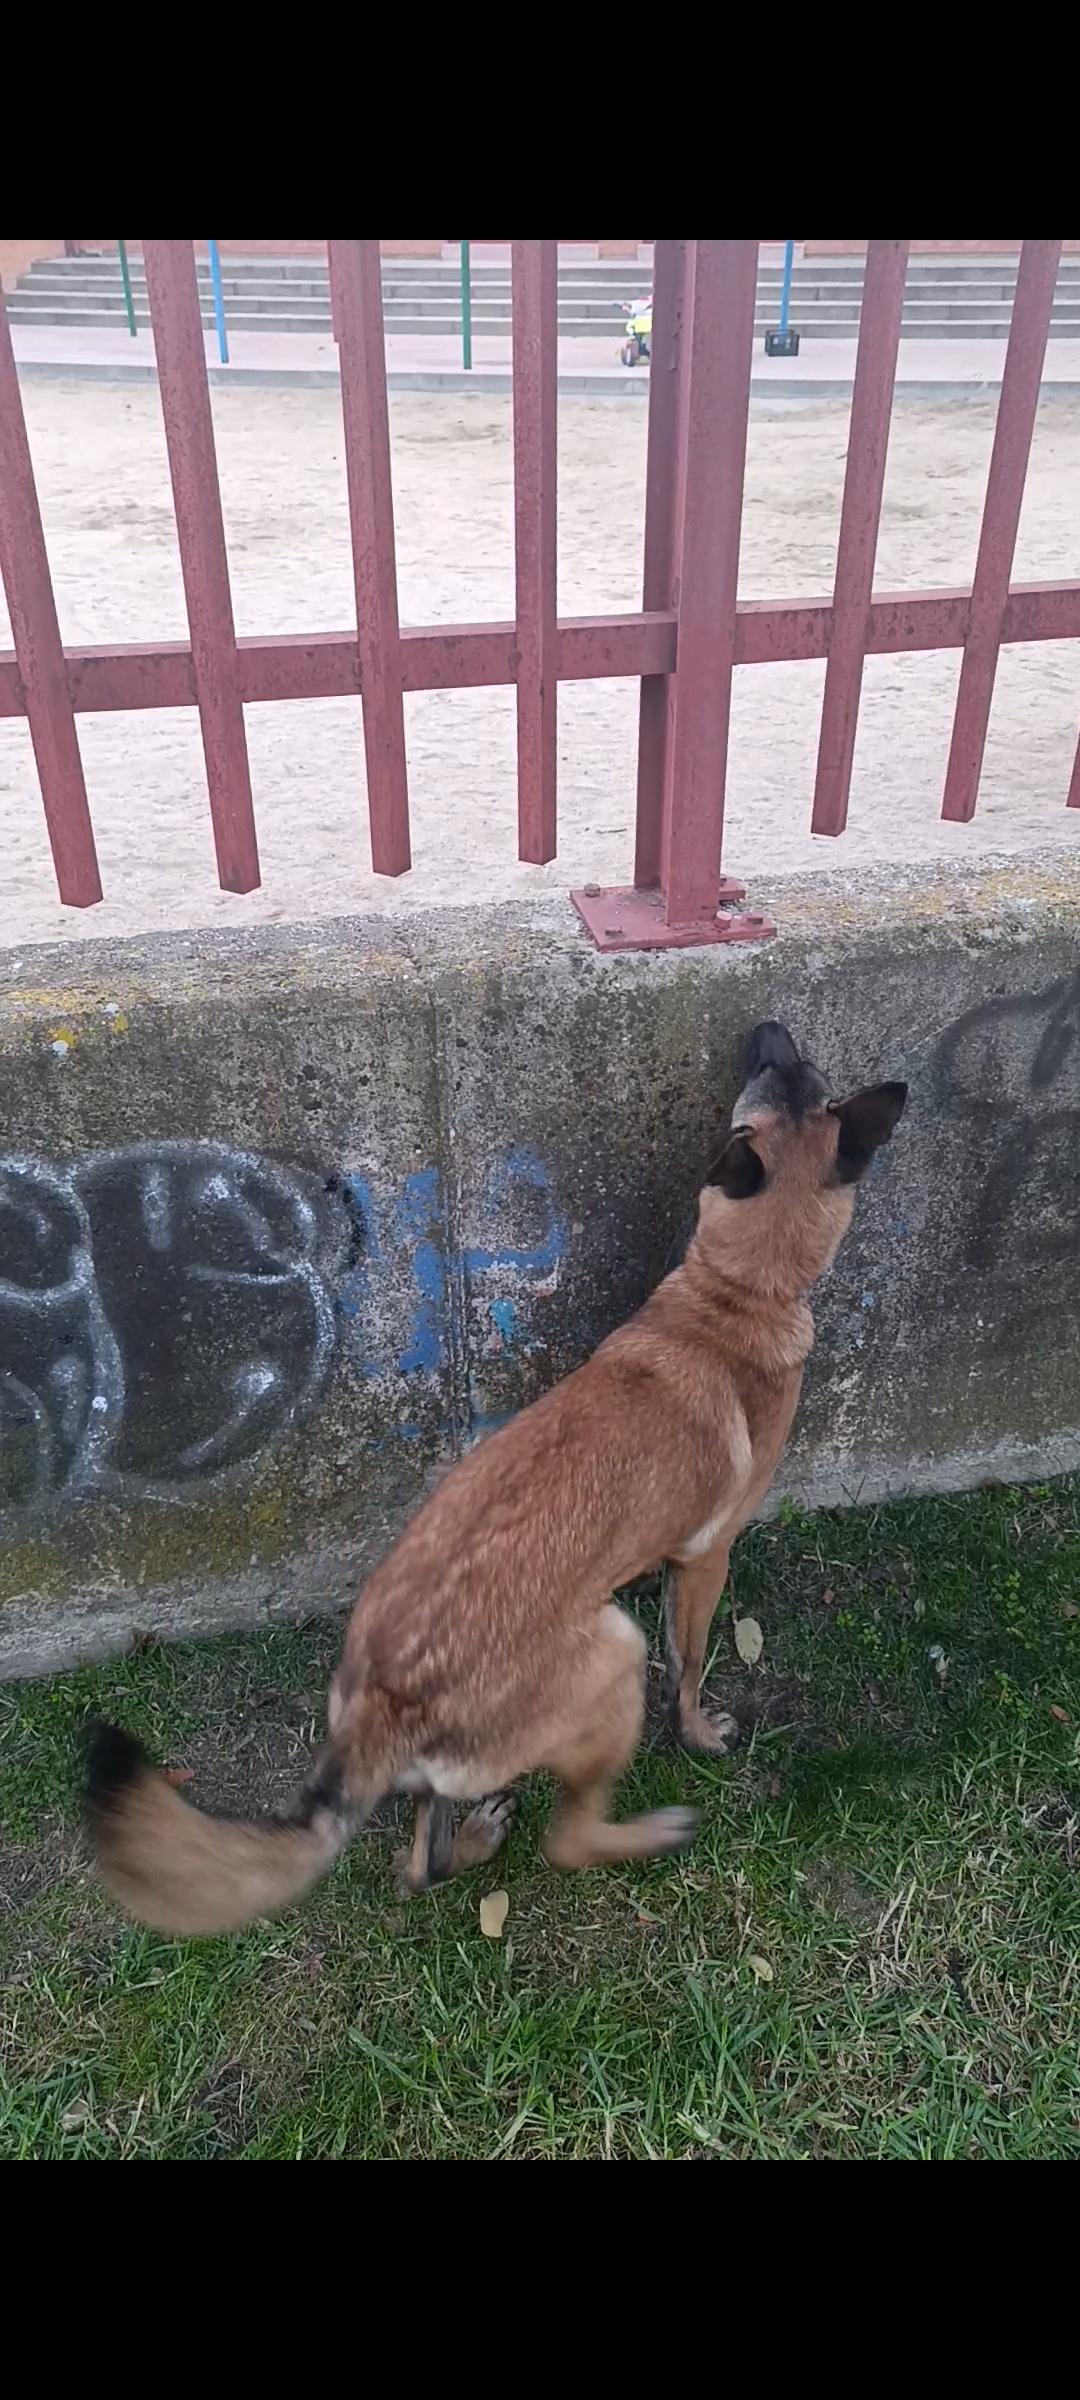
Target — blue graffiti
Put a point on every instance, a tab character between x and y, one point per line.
411	1229
522	1166
509	1334
422	1222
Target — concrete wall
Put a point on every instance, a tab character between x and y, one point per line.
285	249
16	257
288	1218
923	249
313	249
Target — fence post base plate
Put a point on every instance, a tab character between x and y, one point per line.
627	919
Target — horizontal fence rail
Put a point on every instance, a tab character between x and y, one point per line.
683	644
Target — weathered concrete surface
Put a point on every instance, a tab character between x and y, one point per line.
287	1219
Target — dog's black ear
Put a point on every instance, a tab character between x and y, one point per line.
867	1120
738	1172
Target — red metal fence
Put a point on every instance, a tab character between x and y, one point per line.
683	643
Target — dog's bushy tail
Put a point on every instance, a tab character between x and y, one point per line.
174	1868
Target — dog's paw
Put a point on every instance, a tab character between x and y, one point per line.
483	1831
713	1732
674	1829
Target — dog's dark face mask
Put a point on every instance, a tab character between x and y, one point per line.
786	1106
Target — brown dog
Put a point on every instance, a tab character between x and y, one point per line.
487	1644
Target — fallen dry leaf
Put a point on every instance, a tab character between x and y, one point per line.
760	1967
74	2118
494	1909
1062	1715
749	1640
179	1775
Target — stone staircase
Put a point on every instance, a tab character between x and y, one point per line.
966	297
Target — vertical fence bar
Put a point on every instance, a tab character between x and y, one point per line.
356	284
663	525
176	317
856	549
1032	306
24	565
1073	800
535	292
721	293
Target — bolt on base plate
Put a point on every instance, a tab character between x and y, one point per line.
627	919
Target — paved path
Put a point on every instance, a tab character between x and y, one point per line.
433	362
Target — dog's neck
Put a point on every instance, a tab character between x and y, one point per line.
773	1330
753	1281
767	1251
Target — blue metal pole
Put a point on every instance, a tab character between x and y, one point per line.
219	303
785	288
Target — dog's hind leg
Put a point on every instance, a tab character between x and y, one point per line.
437	1851
428	1861
595	1741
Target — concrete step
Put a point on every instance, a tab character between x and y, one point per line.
1064	326
944	297
430	278
29	301
591	298
950	267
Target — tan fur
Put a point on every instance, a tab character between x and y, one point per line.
486	1645
183	1872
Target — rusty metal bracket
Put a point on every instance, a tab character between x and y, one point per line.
625	918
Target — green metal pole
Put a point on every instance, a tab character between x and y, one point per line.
125	279
466	308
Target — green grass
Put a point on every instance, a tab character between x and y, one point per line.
898	1842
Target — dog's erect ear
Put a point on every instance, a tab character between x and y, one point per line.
867	1120
738	1172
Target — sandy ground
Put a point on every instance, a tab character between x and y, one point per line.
100	459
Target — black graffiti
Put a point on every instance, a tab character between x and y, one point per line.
998	1059
1010	1070
165	1317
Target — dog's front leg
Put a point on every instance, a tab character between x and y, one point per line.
694	1586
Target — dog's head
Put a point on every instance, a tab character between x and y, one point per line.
783	1183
